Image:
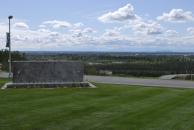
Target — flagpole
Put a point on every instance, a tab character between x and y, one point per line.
10	73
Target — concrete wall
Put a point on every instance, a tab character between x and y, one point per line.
47	71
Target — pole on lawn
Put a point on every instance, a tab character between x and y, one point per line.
9	45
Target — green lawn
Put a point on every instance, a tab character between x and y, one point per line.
108	107
3	81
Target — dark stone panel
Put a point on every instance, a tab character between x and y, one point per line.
47	71
49	85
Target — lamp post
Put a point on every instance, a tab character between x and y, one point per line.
9	40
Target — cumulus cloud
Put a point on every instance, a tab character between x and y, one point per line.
21	25
122	14
76	32
135	22
111	33
177	15
190	30
82	32
149	28
89	30
79	24
58	24
136	33
42	26
171	33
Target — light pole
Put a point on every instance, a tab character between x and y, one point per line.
10	73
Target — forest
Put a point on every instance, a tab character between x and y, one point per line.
120	64
141	65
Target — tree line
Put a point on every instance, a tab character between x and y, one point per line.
4	56
128	65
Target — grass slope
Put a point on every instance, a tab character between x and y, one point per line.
3	81
108	107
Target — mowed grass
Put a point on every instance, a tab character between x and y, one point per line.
3	81
108	107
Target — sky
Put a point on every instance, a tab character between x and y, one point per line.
99	25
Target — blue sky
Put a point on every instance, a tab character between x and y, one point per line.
99	25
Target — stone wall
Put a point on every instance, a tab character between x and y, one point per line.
47	71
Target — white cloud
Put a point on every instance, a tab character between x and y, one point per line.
177	15
42	26
78	24
111	33
21	25
149	28
141	36
133	21
81	32
58	24
190	30
171	33
43	30
76	32
3	27
89	30
122	14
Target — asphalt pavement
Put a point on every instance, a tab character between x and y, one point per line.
132	81
139	81
4	74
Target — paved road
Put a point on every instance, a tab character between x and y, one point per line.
4	74
133	81
173	76
168	76
138	81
